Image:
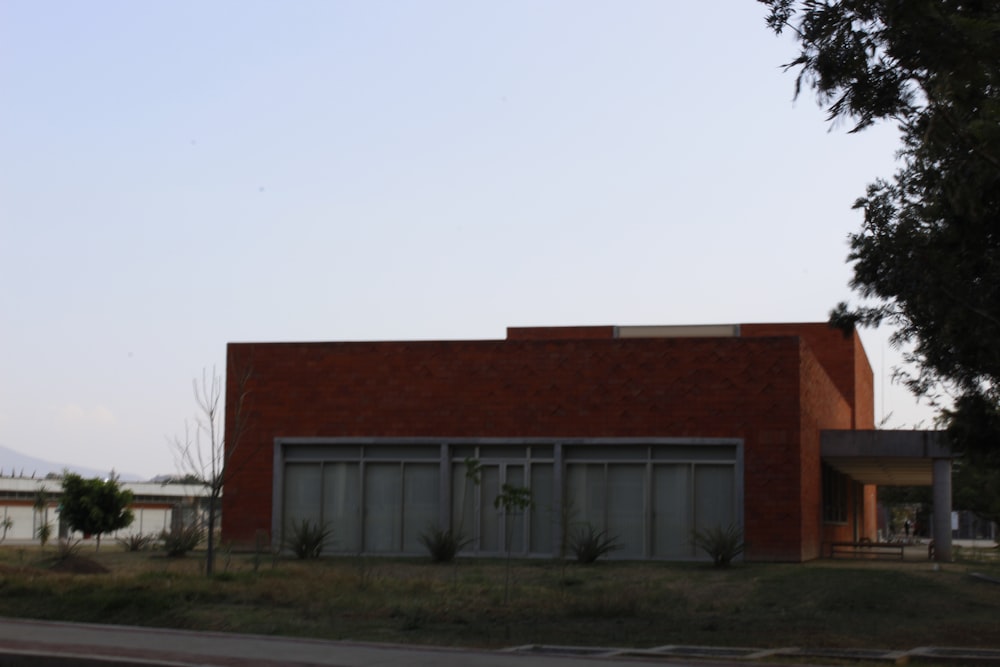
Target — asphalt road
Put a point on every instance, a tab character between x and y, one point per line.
26	643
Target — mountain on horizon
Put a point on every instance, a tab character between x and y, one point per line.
16	464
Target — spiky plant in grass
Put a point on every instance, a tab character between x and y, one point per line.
306	538
722	544
589	544
44	534
179	540
136	542
443	544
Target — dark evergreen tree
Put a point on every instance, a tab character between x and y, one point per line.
927	258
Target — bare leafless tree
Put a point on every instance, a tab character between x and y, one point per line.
204	454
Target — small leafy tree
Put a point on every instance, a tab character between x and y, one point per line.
513	500
5	524
44	534
41	506
95	506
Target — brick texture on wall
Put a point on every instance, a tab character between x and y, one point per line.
822	405
841	355
773	389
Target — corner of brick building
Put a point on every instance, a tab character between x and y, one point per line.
841	355
836	393
247	492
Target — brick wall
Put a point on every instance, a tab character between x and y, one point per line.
843	357
864	389
823	406
582	387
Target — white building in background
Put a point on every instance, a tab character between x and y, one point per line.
156	506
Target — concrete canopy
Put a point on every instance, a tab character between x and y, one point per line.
898	458
885	458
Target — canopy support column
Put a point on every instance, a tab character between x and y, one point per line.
942	510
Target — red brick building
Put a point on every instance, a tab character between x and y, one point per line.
648	432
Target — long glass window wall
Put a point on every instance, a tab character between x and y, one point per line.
379	497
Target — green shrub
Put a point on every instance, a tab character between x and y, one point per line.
588	544
178	541
44	533
136	542
306	538
721	544
6	524
443	545
67	549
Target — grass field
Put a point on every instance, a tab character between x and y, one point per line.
820	604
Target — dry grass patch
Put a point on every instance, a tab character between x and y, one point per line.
863	605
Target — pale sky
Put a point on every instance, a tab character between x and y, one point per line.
175	175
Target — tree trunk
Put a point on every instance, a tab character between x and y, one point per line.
210	551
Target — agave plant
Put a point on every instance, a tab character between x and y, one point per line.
589	544
721	544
